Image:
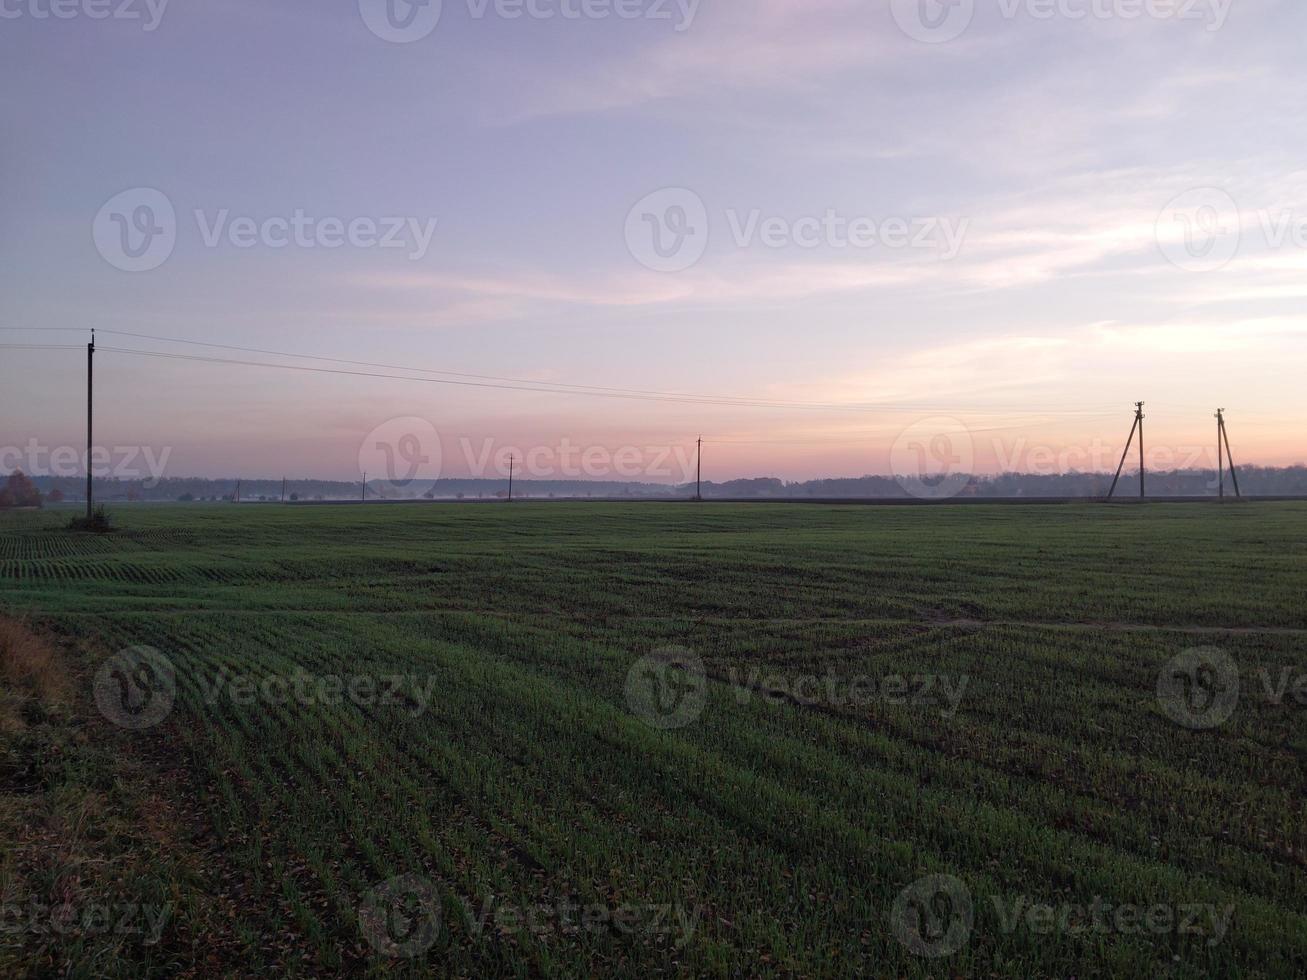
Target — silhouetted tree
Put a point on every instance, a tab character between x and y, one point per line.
19	491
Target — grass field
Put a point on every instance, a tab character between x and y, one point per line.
476	740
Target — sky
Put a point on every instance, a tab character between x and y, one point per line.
865	235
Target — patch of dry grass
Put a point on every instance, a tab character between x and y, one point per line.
31	664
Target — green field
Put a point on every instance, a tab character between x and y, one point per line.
967	692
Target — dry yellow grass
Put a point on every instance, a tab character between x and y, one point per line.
31	663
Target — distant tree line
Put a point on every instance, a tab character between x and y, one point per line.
1253	481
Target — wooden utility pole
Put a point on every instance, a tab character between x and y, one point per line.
363	498
238	491
1139	408
510	479
1225	436
698	473
90	420
1137	427
1220	454
283	489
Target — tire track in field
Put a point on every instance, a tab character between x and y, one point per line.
1193	629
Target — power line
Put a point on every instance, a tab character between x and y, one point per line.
628	394
40	346
552	387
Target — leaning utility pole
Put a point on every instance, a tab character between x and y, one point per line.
1225	436
90	419
1220	454
363	498
1139	427
698	473
510	479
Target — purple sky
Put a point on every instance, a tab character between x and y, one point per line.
890	221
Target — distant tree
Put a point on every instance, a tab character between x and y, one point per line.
294	497
19	491
55	496
186	498
133	492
